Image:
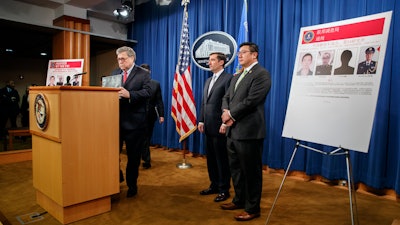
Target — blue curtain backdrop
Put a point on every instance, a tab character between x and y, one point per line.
275	26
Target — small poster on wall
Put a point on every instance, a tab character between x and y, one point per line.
65	72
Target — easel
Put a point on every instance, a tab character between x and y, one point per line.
338	151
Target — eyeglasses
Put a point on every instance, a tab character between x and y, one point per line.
122	59
243	52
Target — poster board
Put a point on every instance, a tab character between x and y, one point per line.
65	72
334	91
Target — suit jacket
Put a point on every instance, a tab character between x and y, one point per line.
210	111
133	110
246	104
155	101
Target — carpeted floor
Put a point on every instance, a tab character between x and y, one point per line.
170	196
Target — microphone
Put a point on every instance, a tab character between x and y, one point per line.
80	74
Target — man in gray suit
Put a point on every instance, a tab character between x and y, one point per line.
210	123
243	113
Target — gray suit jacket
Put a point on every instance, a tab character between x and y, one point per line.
246	104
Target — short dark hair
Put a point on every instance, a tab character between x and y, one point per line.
307	54
252	46
220	56
146	66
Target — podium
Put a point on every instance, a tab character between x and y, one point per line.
75	149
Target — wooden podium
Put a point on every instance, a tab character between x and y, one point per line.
75	149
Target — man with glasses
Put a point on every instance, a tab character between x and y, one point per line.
134	93
244	114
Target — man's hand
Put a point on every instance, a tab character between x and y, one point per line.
123	93
225	116
222	129
229	123
200	127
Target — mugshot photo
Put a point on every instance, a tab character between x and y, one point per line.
368	60
305	64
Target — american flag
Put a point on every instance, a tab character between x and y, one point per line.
183	108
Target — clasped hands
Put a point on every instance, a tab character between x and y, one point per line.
226	118
227	121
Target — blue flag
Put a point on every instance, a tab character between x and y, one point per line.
243	35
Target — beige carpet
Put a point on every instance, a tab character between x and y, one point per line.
170	196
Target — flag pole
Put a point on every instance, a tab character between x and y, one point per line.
184	164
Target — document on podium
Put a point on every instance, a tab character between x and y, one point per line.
112	81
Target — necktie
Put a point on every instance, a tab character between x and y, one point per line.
240	78
125	76
212	83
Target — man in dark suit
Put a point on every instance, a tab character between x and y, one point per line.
9	105
243	113
210	123
368	66
155	111
134	93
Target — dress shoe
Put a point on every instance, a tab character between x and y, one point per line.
131	193
222	197
231	206
146	165
245	216
208	191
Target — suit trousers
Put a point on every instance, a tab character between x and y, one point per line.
245	160
149	133
135	142
218	163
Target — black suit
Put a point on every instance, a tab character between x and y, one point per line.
132	114
154	102
210	115
9	108
246	135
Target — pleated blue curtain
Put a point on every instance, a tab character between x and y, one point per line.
274	26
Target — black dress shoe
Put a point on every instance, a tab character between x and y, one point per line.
245	216
131	193
146	165
222	197
208	191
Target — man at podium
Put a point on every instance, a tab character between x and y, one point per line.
133	94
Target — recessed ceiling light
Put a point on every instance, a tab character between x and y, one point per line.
43	53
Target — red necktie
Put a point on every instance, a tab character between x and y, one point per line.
125	76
